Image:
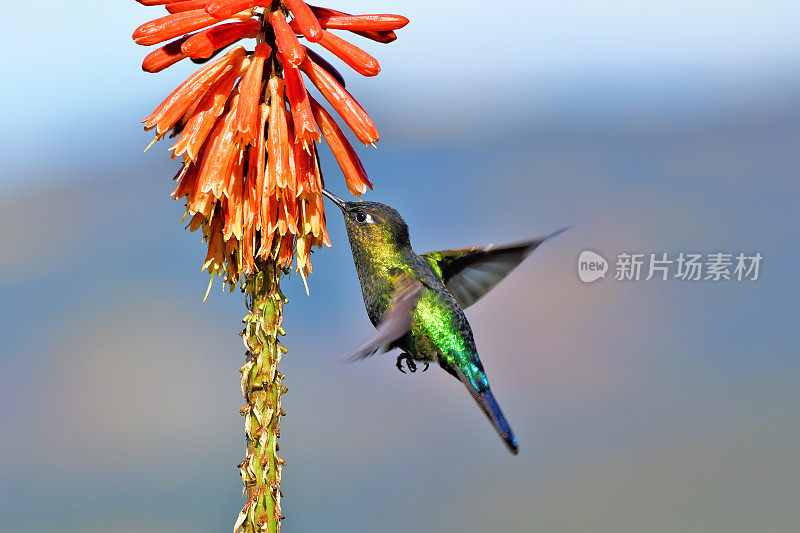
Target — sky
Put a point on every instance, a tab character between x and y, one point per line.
639	406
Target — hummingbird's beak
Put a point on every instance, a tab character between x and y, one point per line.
335	199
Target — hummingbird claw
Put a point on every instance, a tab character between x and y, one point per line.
426	367
412	366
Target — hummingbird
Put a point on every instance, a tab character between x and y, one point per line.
416	302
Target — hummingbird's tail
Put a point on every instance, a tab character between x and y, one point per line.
492	411
485	400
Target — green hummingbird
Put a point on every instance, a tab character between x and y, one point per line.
416	302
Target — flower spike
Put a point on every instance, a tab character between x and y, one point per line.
247	128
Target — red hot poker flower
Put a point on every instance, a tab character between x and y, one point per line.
247	136
247	128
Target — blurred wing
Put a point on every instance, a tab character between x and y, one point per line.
395	322
470	273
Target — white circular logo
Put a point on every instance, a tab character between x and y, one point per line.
591	266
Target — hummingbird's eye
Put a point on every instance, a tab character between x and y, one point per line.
361	217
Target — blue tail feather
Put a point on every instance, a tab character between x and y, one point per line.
492	410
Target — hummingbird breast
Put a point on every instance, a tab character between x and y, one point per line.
439	330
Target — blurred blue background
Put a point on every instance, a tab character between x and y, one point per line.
651	406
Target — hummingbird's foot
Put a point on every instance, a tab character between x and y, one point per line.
426	367
412	366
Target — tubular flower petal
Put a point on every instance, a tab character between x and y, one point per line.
257	169
269	222
247	128
248	255
304	166
250	94
164	57
384	37
199	126
196	222
188	182
185	5
354	174
291	182
223	9
201	202
234	203
218	161
187	93
306	20
252	200
285	251
278	148
322	62
310	215
324	237
287	213
305	128
342	101
363	22
171	26
215	259
358	59
379	36
288	45
202	45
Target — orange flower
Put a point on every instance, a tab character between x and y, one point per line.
164	57
278	147
202	45
325	14
205	116
250	92
358	59
171	26
172	109
306	20
342	101
222	9
362	22
354	174
305	128
217	163
178	6
247	127
288	45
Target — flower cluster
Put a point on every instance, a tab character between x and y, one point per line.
246	125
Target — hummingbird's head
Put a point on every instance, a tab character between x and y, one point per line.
372	223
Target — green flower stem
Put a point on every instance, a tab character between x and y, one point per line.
262	387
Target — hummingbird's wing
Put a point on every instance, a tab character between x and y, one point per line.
396	320
469	273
